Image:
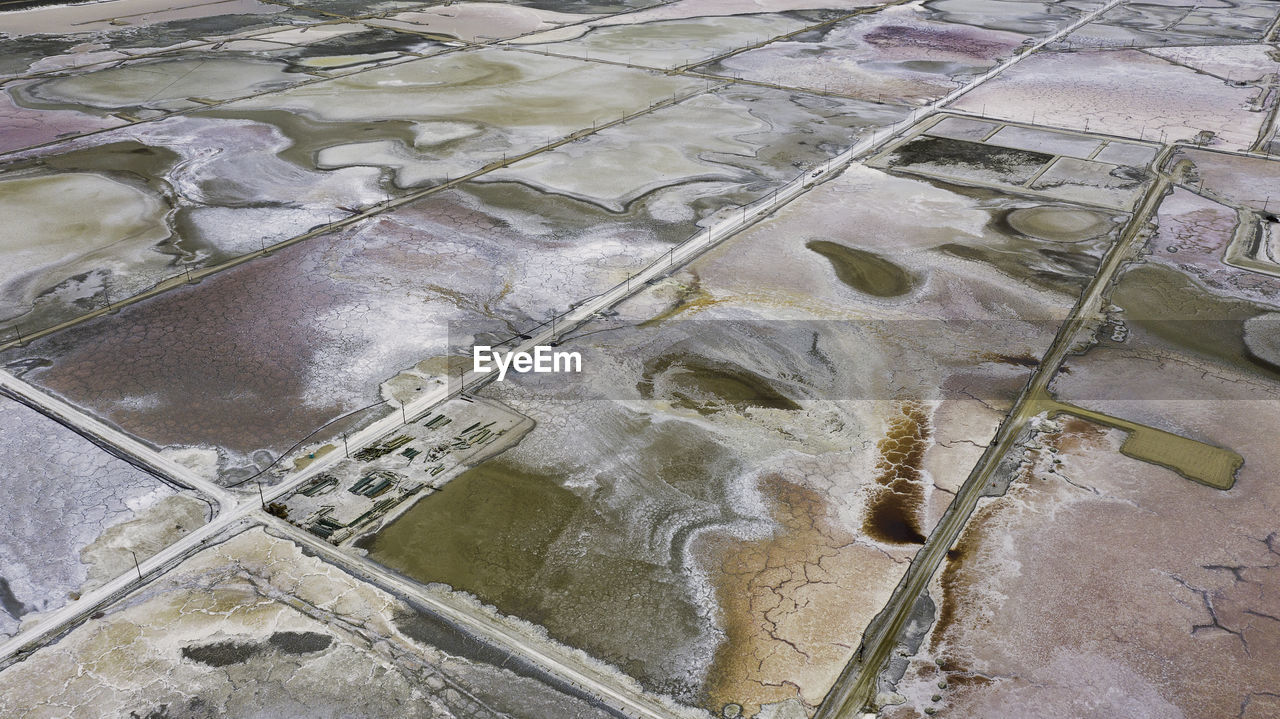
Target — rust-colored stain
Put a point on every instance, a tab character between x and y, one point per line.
893	512
762	586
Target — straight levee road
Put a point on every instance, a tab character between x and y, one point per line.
856	687
99	432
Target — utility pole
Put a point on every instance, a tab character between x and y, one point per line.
261	497
345	450
136	567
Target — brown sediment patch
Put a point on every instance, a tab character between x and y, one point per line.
691	302
959	677
1075	434
778	644
953	590
892	513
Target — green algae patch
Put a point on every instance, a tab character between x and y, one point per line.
1197	461
576	560
1192	459
864	271
488	532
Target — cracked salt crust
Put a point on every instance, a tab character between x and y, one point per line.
250	596
64	495
1046	612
